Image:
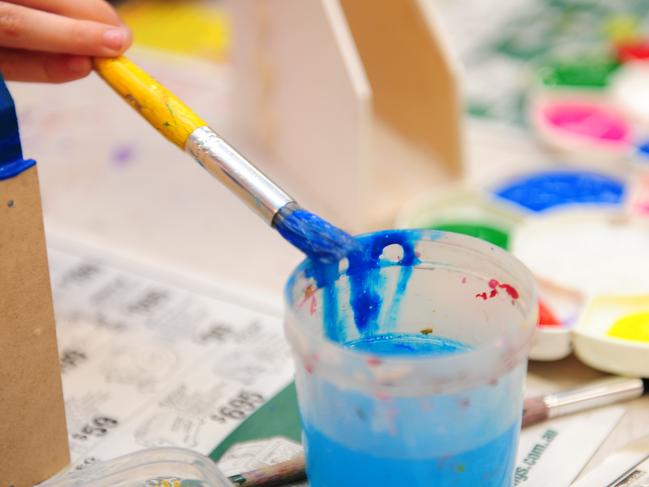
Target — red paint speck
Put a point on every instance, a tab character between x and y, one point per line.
382	396
309	368
465	403
464	280
313	306
494	285
513	293
374	361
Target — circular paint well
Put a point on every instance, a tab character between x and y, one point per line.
584	72
587	121
636	50
544	190
630	90
591	251
634	327
482	231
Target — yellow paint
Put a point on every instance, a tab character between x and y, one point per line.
171	117
633	327
621	28
186	27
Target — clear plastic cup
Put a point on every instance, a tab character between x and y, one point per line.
415	419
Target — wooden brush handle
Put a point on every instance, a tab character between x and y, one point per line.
170	116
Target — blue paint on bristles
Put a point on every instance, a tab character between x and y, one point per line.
317	238
11	154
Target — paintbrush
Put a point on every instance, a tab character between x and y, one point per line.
536	409
600	393
279	474
180	125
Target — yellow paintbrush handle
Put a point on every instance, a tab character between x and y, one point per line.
171	117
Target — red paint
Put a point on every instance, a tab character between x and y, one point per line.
374	361
637	50
382	396
494	285
546	316
464	280
309	368
309	295
513	293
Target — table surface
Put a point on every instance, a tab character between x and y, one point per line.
108	179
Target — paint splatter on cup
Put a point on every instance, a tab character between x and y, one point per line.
410	360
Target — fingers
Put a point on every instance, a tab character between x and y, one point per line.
18	65
25	28
97	10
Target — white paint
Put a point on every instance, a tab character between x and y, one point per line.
595	251
629	90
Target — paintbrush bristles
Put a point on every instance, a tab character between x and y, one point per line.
279	474
317	238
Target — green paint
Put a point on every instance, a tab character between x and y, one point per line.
579	73
482	231
278	417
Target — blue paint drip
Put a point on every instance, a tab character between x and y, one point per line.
11	154
317	238
365	280
545	190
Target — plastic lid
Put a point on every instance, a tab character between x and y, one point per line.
156	467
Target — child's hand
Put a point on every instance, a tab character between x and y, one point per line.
54	40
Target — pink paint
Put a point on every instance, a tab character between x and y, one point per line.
587	121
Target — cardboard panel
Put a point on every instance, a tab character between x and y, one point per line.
413	79
33	433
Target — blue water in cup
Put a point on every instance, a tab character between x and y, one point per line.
428	391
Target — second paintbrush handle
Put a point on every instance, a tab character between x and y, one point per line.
180	125
600	393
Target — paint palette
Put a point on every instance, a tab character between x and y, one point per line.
613	335
477	213
568	226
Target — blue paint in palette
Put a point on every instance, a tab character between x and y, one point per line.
545	190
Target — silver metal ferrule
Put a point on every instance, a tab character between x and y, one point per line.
600	393
223	162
